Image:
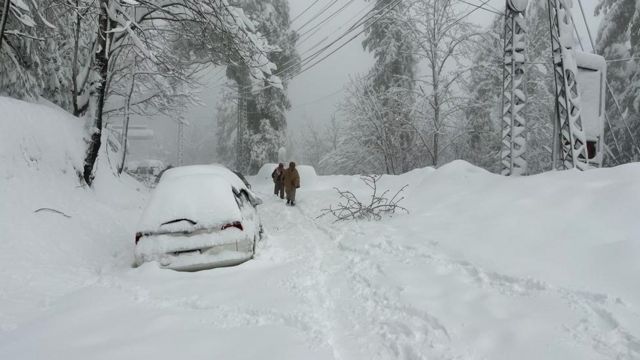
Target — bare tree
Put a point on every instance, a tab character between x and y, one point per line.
176	23
443	37
3	20
375	136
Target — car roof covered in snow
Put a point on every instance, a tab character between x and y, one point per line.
211	169
204	199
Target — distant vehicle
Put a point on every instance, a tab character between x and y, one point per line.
146	171
199	217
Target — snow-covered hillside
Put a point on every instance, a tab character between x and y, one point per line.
483	266
55	235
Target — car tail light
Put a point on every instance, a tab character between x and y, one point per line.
138	236
235	224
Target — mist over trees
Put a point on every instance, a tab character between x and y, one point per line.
113	57
431	96
618	39
258	140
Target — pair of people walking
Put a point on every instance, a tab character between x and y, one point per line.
286	181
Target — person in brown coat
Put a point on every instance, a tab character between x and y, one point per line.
278	179
291	183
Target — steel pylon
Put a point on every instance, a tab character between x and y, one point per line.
514	98
570	143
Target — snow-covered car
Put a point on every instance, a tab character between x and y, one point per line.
199	217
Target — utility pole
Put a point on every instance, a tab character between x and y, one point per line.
570	145
514	96
569	138
180	141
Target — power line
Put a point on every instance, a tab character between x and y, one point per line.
360	21
292	62
324	97
483	8
351	39
322	11
465	15
304	39
360	32
286	72
329	17
303	11
623	59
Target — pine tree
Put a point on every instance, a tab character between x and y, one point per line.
619	38
391	81
226	121
481	141
266	105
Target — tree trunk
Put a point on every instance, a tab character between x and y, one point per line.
243	156
74	67
100	67
3	21
125	122
436	110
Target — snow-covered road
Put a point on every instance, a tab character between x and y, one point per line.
323	290
483	266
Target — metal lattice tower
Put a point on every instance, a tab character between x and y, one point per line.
514	98
570	144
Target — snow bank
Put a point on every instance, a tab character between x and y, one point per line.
577	229
538	267
54	233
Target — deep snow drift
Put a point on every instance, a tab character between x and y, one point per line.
55	235
483	267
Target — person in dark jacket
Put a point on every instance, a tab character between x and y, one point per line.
291	183
278	179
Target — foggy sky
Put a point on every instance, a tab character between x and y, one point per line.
314	94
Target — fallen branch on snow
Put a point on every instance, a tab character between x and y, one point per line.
53	211
350	207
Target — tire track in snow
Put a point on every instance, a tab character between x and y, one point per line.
391	328
310	272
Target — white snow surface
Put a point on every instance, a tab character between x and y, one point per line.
483	266
205	199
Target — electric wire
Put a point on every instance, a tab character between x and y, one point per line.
335	30
304	11
329	17
287	72
483	8
355	36
308	63
322	11
293	62
348	41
